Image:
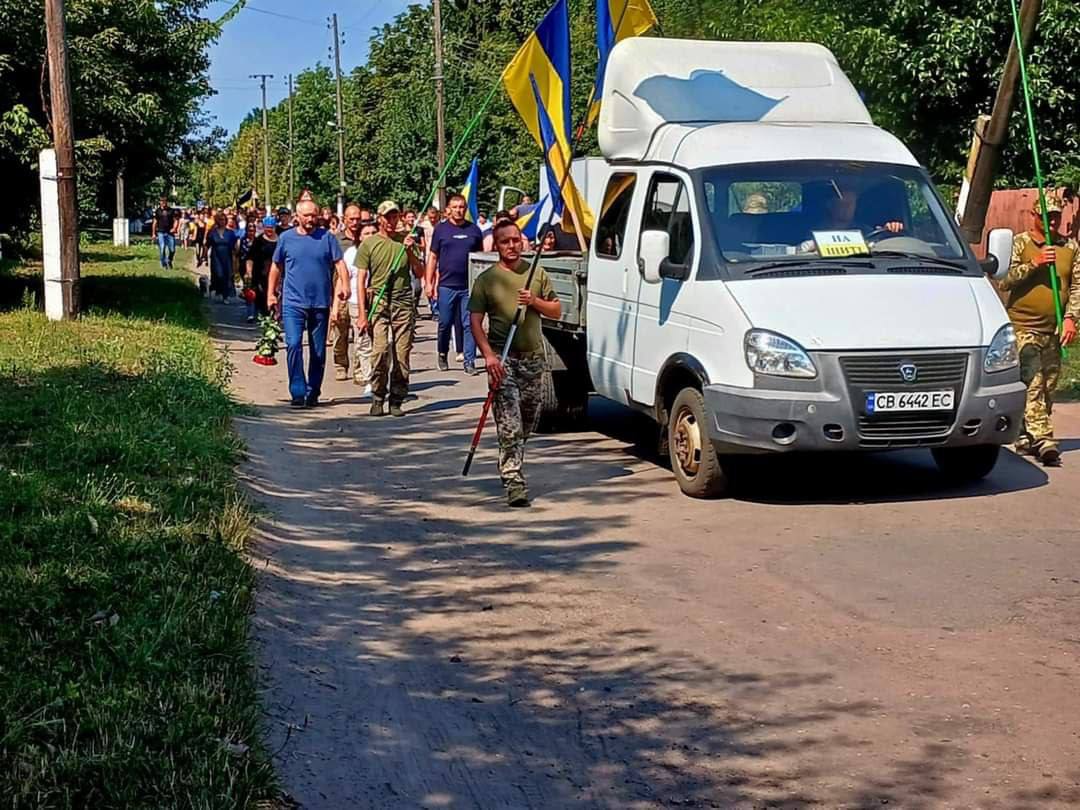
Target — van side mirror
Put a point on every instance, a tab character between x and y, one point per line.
999	246
653	251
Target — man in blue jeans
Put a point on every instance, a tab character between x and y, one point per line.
308	256
448	261
163	229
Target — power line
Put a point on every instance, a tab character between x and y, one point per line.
249	7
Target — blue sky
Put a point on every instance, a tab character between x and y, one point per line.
282	37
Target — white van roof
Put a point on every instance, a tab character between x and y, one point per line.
653	81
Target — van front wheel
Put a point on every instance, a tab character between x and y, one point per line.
693	457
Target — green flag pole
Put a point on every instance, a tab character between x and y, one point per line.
435	189
1047	235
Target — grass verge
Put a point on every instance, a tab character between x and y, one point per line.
125	678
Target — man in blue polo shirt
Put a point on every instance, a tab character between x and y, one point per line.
308	256
448	262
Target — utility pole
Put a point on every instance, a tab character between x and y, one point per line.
440	103
340	124
64	145
991	134
292	199
262	77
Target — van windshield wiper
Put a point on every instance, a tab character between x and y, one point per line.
826	265
955	264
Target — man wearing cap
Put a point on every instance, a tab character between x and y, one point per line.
308	257
259	259
1030	304
386	270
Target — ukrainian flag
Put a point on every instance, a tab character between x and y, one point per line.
616	20
537	80
528	220
470	190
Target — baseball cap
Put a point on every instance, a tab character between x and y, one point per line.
386	206
1053	205
283	210
269	222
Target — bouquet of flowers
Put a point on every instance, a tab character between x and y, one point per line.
268	344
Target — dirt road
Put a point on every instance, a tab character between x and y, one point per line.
842	633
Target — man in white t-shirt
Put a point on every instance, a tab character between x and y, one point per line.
346	316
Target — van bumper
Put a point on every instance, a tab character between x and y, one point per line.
826	414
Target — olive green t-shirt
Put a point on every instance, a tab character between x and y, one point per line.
377	254
495	293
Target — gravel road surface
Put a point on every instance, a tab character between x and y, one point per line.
843	632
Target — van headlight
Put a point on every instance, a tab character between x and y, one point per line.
1002	354
777	356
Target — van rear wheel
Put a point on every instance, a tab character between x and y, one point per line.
693	458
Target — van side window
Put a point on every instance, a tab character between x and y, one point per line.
668	209
611	229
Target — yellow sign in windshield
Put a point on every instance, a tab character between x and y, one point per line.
836	244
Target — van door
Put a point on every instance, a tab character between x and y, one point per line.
661	329
612	289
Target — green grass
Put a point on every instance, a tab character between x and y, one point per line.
125	674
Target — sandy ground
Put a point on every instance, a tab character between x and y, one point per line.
844	632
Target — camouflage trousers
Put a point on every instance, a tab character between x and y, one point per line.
340	332
1040	367
391	345
517	410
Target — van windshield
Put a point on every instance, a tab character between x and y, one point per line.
826	210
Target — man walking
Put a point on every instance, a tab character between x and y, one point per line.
383	269
497	293
1030	304
163	230
308	256
448	259
346	315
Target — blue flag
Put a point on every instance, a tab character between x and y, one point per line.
470	190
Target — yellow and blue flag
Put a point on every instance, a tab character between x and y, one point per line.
470	190
528	220
616	20
537	80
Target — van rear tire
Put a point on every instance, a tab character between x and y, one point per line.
694	460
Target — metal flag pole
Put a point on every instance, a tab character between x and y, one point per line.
1047	234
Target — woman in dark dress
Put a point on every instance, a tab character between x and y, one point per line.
222	245
257	266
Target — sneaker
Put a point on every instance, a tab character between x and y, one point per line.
251	319
367	390
377	408
517	495
472	371
1050	456
296	402
395	409
341	374
459	357
444	364
311	402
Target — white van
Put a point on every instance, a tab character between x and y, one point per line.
771	272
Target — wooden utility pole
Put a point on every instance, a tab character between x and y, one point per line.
262	77
292	200
440	102
340	123
64	145
991	134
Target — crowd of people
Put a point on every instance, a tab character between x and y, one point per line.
360	281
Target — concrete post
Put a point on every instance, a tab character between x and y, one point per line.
50	236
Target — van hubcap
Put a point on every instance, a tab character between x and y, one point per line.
687	442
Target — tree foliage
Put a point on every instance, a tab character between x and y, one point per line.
926	68
138	73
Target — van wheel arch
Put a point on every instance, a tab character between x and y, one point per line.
678	372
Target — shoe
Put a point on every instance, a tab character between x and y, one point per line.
444	364
359	381
311	402
296	402
367	390
459	357
395	409
341	374
251	319
517	496
472	371
1050	456
377	408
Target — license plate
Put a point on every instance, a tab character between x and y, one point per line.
888	401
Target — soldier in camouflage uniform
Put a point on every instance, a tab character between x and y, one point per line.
497	293
1030	303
